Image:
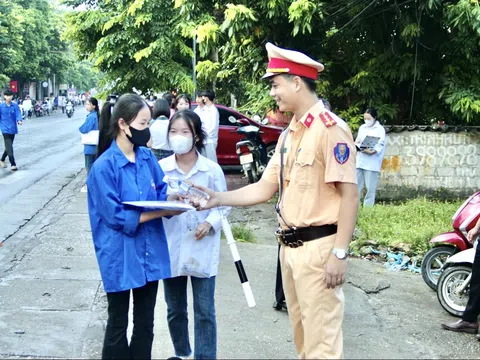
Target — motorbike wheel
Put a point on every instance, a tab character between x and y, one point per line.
448	283
270	151
432	264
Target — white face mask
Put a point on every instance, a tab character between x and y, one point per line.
181	144
369	122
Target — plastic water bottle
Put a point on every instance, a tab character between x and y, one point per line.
187	190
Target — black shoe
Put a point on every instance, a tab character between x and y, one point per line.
280	305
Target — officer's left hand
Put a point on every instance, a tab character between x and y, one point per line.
335	271
202	230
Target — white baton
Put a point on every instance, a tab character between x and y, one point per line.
247	290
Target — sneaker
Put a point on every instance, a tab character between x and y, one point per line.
2	164
84	189
14	168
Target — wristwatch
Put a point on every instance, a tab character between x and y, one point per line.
339	253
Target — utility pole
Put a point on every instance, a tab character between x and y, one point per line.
194	63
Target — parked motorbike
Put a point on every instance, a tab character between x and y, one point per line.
453	287
251	151
69	110
450	243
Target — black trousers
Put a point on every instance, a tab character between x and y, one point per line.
279	294
115	345
473	306
8	141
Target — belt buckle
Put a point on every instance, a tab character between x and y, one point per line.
280	237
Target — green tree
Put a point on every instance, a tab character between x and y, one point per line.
415	60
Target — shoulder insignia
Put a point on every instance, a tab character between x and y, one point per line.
308	120
327	119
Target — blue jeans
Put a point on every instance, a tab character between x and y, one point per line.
205	325
369	179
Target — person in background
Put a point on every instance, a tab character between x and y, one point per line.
159	129
183	102
130	243
90	124
200	103
10	117
202	228
369	160
210	123
28	106
171	102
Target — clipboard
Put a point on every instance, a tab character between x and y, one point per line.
160	205
368	142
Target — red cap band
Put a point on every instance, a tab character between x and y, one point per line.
293	68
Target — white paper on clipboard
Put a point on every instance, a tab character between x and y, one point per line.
369	142
160	205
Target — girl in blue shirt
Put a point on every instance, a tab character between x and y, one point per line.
91	123
130	244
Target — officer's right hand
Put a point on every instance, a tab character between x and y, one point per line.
212	202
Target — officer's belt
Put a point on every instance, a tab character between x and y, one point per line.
295	237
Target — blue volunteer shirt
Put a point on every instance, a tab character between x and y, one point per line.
9	115
128	253
91	123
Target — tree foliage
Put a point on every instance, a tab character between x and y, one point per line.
415	60
32	47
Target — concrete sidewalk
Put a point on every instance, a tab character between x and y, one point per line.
52	303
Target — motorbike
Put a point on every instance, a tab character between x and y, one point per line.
251	151
450	243
453	287
69	110
38	109
46	108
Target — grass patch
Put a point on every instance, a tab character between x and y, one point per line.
242	233
413	222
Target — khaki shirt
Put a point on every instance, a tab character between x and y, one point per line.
319	151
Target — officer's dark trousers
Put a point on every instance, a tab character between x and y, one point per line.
115	345
473	306
279	294
8	140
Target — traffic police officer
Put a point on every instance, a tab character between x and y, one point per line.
313	169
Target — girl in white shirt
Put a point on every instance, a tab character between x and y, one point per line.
369	160
159	129
193	240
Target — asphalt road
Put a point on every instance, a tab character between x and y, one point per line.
48	153
42	145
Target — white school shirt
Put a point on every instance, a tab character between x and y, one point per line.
371	162
159	133
205	173
210	122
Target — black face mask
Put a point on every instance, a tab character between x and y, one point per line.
139	137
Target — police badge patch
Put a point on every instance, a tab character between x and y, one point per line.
341	152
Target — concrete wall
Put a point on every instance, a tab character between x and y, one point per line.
441	165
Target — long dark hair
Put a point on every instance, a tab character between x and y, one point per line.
94	102
127	108
161	107
194	124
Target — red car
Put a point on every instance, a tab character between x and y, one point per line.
228	137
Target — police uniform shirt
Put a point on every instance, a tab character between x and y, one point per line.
318	152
